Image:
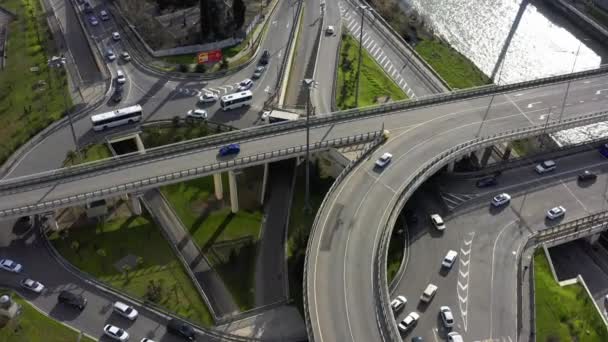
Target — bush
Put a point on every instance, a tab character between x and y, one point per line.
224	63
200	68
184	68
175	121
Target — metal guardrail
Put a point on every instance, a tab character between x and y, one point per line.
152	182
570	230
380	138
385	318
152	307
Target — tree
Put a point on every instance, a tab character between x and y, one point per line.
71	156
140	261
102	253
76	247
184	68
200	68
224	63
126	269
238	13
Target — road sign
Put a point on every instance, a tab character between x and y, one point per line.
209	56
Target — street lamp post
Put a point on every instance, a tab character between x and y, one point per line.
362	8
309	83
580	44
59	63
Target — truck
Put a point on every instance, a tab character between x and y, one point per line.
274	116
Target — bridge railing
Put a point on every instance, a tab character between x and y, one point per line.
174	177
265	130
385	319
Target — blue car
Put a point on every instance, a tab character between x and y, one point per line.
230	149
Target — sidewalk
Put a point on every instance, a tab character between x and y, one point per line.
218	296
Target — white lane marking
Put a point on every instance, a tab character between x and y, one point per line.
542	117
388	61
401	83
581	101
530	105
600	91
435	334
519	94
267	89
492	275
519	109
462	287
573	195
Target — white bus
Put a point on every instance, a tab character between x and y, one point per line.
116	118
278	116
236	100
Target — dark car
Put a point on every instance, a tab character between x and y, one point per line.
117	95
230	149
182	329
265	57
72	299
88	8
587	176
485	182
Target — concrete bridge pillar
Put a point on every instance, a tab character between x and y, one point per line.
486	156
136	204
507	153
51	222
234	195
592	239
218	186
140	144
264	179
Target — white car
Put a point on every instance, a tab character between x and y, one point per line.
145	339
501	199
104	15
32	285
125	55
384	160
116	333
449	259
115	35
446	316
437	222
125	310
110	54
454	337
245	84
556	212
398	303
120	77
10	265
197	114
429	293
409	321
208	97
546	166
258	72
330	30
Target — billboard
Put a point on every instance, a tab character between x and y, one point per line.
209	56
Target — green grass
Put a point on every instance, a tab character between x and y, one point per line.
563	313
396	248
138	236
374	83
88	154
159	136
189	58
300	224
229	241
33	326
26	109
454	68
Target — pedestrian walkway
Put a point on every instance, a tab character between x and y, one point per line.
215	291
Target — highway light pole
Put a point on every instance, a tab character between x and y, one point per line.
572	71
485	116
59	63
362	8
309	83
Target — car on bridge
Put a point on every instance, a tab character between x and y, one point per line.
486	182
409	321
501	199
245	84
115	36
330	30
10	265
125	56
229	150
110	54
115	333
104	15
398	303
448	260
32	285
384	160
556	212
546	166
438	222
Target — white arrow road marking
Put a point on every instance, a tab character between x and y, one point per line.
600	91
463	287
520	94
464	275
530	105
465	252
465	263
544	116
267	89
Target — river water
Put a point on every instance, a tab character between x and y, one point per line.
544	43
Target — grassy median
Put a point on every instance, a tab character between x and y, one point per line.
564	313
375	86
33	326
31	94
153	273
457	70
229	241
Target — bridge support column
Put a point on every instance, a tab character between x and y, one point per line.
140	144
51	222
234	195
592	239
507	153
486	156
135	204
218	186
451	166
264	179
